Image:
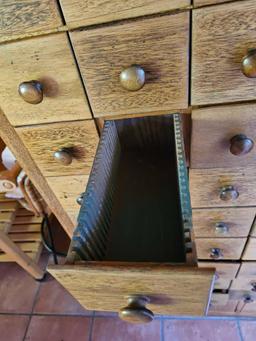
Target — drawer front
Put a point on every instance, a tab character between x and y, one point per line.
224	136
159	48
253	230
68	189
222	36
198	3
247	269
250	250
81	13
222	187
222	305
19	18
219	248
79	139
49	61
171	290
244	284
223	222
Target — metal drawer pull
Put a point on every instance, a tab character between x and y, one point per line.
133	78
31	92
241	145
80	199
63	156
216	253
228	193
136	311
221	227
249	64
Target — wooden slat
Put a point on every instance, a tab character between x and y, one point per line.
28	246
22	212
5	227
6	216
23	228
8	206
27	220
18	237
8	258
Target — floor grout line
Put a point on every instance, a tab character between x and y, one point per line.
91	328
239	330
162	329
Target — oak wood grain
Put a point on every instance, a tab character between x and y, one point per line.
158	45
250	249
172	289
205	185
49	60
68	193
247	269
231	248
237	220
82	13
43	141
199	3
212	130
11	138
222	36
23	17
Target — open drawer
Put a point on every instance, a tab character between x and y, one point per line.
133	244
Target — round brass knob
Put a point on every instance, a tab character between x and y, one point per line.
221	227
228	193
136	312
63	156
133	78
216	253
80	199
31	92
241	145
249	64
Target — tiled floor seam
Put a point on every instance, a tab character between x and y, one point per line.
26	330
162	329
91	328
239	330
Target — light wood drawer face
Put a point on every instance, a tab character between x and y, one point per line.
209	187
80	139
81	13
198	3
250	250
223	222
231	248
222	36
48	60
247	269
221	305
245	284
213	129
177	290
67	189
158	45
18	18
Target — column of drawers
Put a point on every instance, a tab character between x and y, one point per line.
223	155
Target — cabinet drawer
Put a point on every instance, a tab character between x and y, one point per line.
222	36
222	187
198	3
250	250
222	305
49	61
20	18
82	13
225	273
74	142
219	248
244	284
247	269
223	222
135	218
68	189
224	136
152	51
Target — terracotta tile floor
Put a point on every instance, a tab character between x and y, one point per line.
33	311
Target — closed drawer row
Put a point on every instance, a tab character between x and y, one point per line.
137	69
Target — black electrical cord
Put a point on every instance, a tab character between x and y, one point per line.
49	242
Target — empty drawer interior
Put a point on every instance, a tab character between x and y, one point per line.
136	206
